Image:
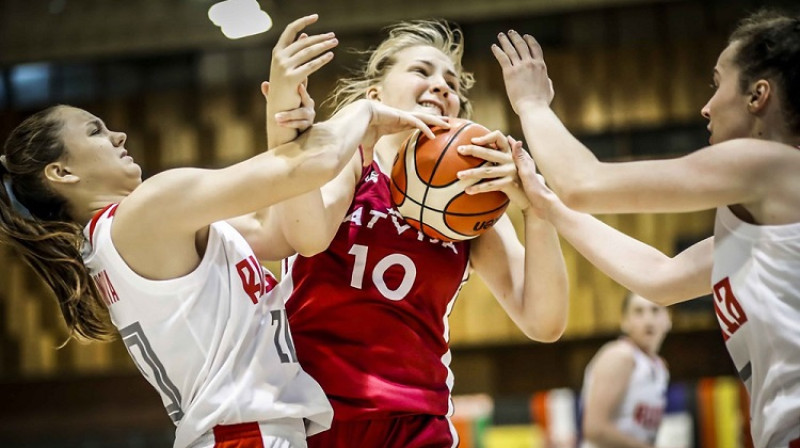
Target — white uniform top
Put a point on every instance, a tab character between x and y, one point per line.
215	342
640	411
756	284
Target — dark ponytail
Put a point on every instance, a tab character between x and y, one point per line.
35	221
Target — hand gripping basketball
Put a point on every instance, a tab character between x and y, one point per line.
428	193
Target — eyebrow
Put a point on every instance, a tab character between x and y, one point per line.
96	122
430	64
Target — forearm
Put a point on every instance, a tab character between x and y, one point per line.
630	262
545	298
280	102
563	160
310	222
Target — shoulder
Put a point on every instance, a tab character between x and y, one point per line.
618	352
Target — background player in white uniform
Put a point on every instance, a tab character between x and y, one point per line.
200	317
625	385
749	173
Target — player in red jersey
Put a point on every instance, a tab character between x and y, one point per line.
371	296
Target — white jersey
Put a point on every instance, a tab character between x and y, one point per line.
756	285
215	342
640	411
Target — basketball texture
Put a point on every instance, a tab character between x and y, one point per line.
428	193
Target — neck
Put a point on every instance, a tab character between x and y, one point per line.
90	207
387	147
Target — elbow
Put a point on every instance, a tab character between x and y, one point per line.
309	250
546	333
310	245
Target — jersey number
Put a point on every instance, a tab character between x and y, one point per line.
282	332
143	355
378	272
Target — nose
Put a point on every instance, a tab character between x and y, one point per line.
119	138
439	86
706	111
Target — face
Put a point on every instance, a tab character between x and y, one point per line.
727	110
423	79
646	323
95	155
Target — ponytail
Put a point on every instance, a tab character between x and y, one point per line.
35	222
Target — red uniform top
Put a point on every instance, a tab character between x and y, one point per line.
369	314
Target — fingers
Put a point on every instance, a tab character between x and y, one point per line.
309	47
419	124
495	138
309	68
305	98
508	48
520	45
501	56
486	153
291	30
534	47
432	120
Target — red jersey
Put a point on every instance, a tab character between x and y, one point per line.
369	314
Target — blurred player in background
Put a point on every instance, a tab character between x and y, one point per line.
625	385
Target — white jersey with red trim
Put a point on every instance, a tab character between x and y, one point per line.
214	343
756	285
642	407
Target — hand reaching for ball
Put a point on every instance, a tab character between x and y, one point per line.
500	174
385	120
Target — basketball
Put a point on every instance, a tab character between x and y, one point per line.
427	192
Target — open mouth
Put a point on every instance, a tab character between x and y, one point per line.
432	108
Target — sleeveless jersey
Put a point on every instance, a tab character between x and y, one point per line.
640	411
214	343
756	285
369	314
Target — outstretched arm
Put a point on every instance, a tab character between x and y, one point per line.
733	172
630	262
529	281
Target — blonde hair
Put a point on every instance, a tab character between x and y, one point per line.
434	33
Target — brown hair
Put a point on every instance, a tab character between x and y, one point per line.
435	33
769	48
48	238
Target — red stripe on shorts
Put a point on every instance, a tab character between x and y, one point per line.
242	435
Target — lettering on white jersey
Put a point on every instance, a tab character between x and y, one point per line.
373	177
106	288
728	309
255	280
376	217
647	416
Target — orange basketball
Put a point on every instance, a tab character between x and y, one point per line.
427	192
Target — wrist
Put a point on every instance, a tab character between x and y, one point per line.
530	106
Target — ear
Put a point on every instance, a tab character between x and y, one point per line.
59	173
759	96
374	93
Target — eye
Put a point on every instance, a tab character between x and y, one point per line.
419	69
95	131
